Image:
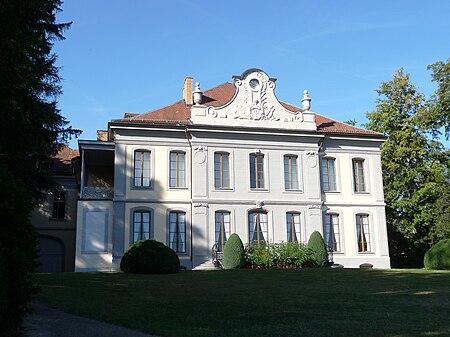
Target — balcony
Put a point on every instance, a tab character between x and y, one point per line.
98	193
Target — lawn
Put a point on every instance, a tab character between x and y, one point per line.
273	302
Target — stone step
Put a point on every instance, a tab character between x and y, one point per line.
207	265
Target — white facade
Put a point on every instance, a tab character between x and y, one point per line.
251	157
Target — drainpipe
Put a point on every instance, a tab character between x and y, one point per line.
188	138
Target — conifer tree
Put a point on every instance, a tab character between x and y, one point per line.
32	129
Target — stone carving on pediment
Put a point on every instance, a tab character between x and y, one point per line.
259	204
256	105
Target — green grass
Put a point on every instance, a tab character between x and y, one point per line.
273	302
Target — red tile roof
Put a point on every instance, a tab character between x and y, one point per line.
179	113
62	161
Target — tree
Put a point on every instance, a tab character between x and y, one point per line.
437	115
415	170
32	129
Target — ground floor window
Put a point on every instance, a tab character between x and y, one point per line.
177	231
332	232
293	227
222	229
257	223
141	225
363	233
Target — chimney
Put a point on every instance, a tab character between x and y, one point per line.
187	91
102	135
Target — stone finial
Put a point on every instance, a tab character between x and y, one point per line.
197	94
306	101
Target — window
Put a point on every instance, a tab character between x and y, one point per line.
141	225
363	233
257	222
177	231
256	170
142	168
329	174
59	205
293	227
222	229
290	172
177	169
358	175
332	233
221	170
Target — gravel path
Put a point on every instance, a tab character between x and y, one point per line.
47	322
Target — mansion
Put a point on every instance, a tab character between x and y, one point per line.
231	159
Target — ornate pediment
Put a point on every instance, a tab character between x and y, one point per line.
254	100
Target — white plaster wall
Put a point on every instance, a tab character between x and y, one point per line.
101	261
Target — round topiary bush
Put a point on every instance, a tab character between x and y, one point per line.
233	253
150	257
438	256
319	258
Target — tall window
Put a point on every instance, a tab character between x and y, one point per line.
177	231
59	205
290	172
257	223
293	227
257	170
221	170
329	174
142	168
177	169
222	229
358	175
332	232
141	225
363	233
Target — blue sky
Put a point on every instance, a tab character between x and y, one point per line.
133	56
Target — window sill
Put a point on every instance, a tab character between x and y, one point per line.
223	189
143	188
178	188
332	192
259	190
293	191
361	193
366	253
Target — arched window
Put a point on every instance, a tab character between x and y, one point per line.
257	170
328	166
222	220
332	232
359	180
257	227
363	233
141	225
177	174
293	227
177	231
142	168
291	172
221	170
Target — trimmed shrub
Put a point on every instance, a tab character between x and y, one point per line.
438	256
319	251
150	257
233	253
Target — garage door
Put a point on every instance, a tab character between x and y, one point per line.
51	255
